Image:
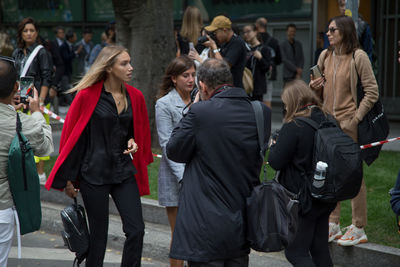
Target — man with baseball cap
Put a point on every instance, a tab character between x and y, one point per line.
232	47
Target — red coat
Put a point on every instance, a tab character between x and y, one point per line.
77	118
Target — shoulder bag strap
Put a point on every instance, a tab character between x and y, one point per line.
360	91
258	111
30	59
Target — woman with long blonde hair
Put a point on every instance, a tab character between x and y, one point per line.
105	150
190	31
292	155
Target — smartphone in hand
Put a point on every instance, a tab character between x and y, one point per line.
316	72
26	88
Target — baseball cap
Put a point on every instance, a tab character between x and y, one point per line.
219	22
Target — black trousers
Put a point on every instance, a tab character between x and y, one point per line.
235	262
310	246
127	200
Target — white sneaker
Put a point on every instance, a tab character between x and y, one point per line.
353	236
334	231
42	178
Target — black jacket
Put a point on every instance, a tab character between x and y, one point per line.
270	41
41	67
259	68
67	54
293	155
217	140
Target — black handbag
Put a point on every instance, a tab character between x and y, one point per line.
75	233
373	127
272	210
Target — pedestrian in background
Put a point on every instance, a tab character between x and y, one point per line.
258	61
174	96
218	141
34	129
292	55
84	52
109	40
342	63
192	24
6	48
105	145
40	69
292	154
273	43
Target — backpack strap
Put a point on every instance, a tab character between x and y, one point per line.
309	121
30	59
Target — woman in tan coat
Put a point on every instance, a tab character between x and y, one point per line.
340	64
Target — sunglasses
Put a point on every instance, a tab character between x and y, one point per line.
10	60
332	29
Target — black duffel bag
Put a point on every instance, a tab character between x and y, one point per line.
75	233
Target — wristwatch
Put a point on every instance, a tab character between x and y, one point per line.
215	51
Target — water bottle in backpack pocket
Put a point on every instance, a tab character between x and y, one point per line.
343	173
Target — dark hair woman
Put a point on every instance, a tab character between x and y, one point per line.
40	68
258	61
292	154
174	96
343	64
106	125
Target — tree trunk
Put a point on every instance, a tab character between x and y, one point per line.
145	28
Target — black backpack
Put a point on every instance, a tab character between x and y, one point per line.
76	233
271	210
343	156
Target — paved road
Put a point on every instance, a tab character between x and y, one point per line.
47	250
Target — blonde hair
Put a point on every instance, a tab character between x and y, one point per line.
191	24
296	97
98	71
6	47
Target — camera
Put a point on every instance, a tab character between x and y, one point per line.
193	94
202	39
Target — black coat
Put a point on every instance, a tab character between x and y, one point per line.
259	68
217	140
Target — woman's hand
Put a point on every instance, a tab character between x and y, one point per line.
70	190
257	54
132	147
194	55
317	84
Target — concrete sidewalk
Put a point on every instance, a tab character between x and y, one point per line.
157	237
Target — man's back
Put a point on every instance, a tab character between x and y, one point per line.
218	140
35	130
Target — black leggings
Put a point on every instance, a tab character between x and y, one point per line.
310	246
126	198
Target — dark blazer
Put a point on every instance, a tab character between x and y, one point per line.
68	55
272	42
218	141
58	62
259	69
292	58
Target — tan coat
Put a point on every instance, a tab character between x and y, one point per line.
368	81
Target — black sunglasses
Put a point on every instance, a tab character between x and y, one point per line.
8	59
332	29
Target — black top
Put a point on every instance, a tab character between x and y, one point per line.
217	140
234	52
270	41
99	150
259	68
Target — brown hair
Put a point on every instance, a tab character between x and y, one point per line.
347	29
191	24
296	97
20	29
177	66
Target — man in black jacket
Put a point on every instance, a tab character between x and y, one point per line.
217	140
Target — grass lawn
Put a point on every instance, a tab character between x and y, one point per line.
379	177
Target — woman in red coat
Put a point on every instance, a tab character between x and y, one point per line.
105	150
